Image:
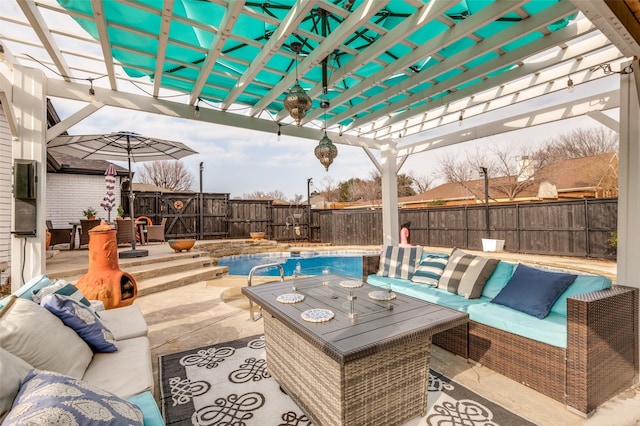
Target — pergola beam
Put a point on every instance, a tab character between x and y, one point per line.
74	91
561	110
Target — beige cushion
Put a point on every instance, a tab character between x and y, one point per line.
126	372
12	371
124	323
34	334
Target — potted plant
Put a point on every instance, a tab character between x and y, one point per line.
120	212
90	213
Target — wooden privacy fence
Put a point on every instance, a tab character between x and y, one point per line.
579	228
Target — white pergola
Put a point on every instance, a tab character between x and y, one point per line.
403	74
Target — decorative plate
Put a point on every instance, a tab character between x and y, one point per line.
317	315
351	283
290	298
382	295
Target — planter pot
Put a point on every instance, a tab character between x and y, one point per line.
492	245
182	244
257	235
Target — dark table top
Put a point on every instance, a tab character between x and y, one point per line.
345	338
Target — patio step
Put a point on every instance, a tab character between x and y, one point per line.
179	279
159	272
73	271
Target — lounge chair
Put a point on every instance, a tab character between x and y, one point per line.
124	234
59	235
86	225
156	232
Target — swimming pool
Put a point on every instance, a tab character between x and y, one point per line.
345	263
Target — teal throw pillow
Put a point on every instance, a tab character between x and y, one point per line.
60	287
430	269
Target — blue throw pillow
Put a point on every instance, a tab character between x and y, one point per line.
533	291
82	320
47	398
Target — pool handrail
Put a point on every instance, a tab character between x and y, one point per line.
250	277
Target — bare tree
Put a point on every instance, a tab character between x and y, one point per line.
329	189
516	173
421	183
464	171
370	189
349	190
271	195
172	175
579	143
509	173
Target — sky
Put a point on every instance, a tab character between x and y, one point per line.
239	162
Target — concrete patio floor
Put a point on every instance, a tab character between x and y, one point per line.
214	311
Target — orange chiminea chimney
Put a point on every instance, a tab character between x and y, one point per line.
105	280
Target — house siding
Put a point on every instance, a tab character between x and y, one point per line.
69	194
6	168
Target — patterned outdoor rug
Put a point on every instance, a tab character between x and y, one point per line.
228	384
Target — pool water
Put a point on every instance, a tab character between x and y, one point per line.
346	263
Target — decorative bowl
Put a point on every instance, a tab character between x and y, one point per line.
182	244
257	235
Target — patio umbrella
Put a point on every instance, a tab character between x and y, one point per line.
109	199
120	146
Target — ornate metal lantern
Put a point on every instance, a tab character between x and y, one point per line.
326	151
297	102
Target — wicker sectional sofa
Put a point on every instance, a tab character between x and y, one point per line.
582	354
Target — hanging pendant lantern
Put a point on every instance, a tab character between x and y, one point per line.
297	102
326	151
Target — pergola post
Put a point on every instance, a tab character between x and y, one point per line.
629	180
29	102
390	225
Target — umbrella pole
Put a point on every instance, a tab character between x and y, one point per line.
133	252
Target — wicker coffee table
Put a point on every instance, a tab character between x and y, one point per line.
368	364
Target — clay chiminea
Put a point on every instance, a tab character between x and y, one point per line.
105	280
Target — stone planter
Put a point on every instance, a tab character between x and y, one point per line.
182	244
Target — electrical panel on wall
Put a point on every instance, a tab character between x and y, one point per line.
25	186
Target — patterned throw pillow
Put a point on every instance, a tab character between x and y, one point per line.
399	262
82	320
60	287
51	398
430	269
466	274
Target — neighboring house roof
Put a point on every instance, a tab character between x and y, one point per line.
580	173
63	163
577	175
